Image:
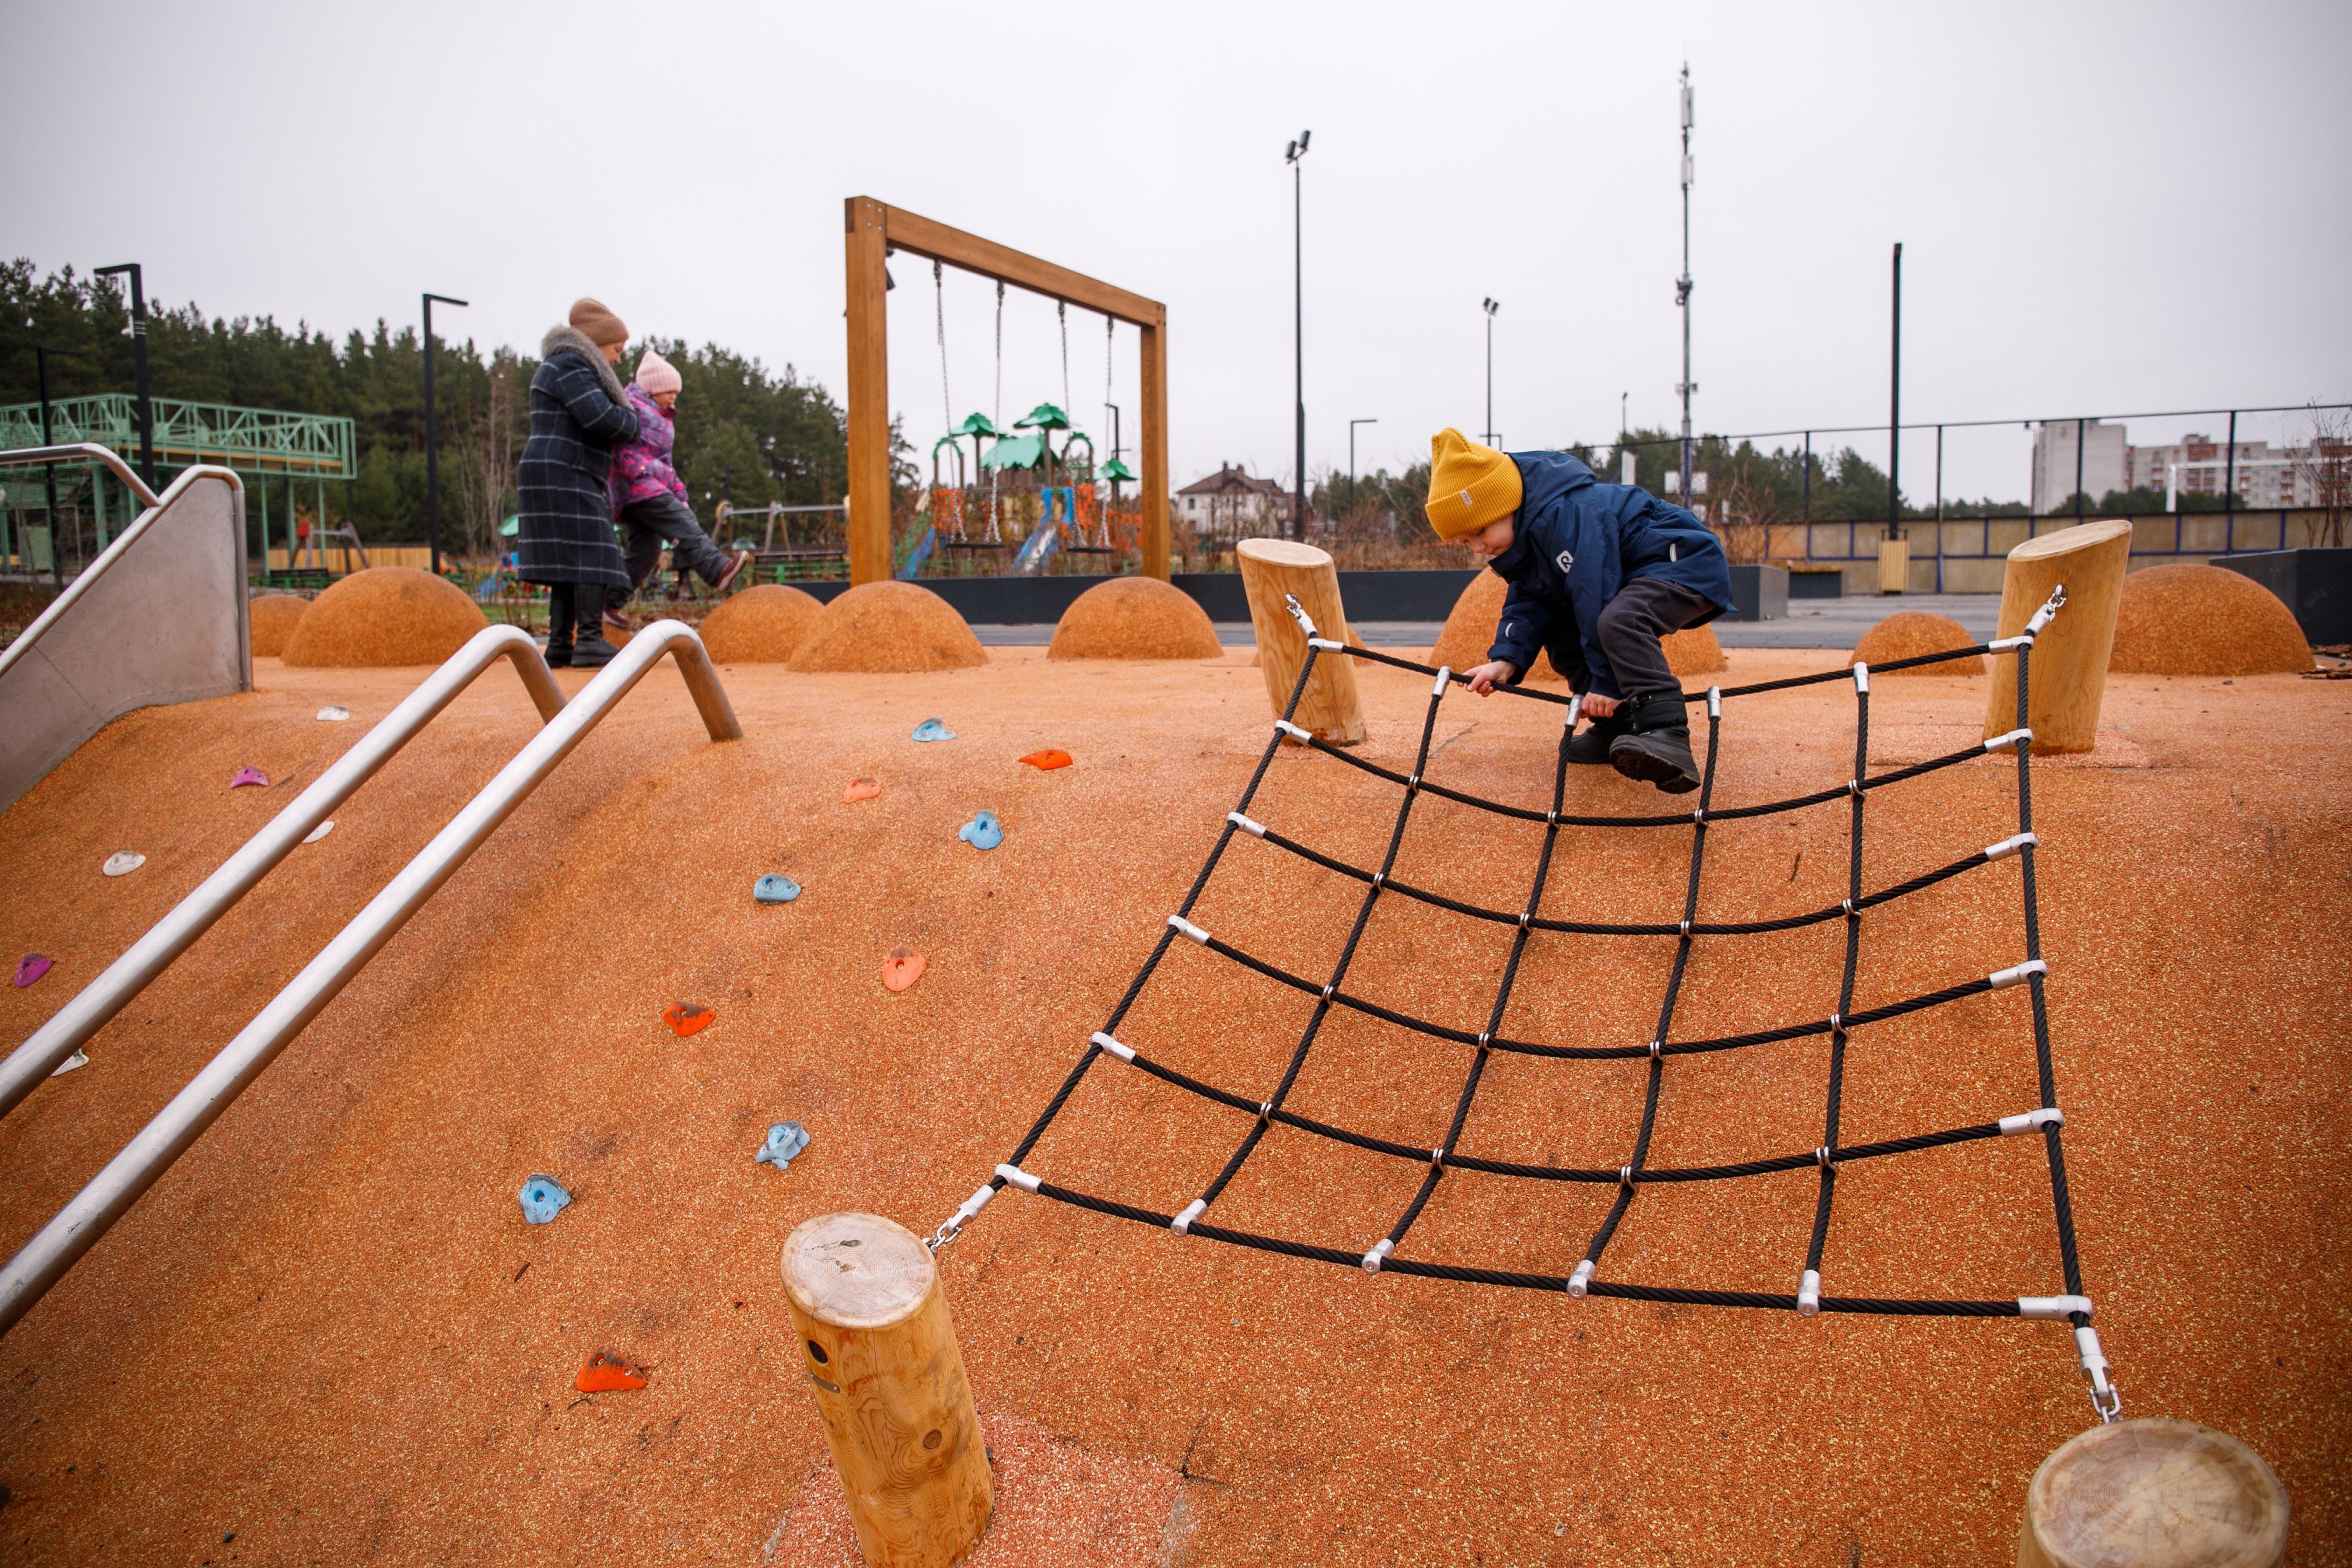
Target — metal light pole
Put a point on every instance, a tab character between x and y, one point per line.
139	366
1490	307
432	442
49	470
1351	453
1291	156
1682	290
1895	410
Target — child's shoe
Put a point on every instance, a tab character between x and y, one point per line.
1658	750
1591	748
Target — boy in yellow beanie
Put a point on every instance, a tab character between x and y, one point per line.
1600	575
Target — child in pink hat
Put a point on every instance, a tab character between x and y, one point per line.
650	499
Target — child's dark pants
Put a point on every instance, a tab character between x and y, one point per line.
1632	625
649	523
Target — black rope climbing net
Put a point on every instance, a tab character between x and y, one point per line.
1385	1254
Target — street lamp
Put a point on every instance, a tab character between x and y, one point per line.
1682	290
1490	307
49	470
1291	156
1351	453
139	366
432	441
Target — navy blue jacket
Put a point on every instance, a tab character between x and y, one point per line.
1576	542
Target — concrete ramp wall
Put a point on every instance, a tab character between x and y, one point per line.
159	617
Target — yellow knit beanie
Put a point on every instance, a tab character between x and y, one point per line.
1470	486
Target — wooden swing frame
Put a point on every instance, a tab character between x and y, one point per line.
875	230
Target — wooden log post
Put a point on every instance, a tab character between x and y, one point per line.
2155	1493
1271	569
2069	676
880	1352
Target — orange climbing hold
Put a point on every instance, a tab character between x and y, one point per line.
607	1371
861	789
1047	762
687	1018
902	968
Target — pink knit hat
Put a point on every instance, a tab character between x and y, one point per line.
657	374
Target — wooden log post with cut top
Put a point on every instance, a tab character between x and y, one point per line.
880	1353
1271	569
2069	676
2155	1493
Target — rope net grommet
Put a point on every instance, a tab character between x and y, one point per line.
1853	786
1265	1111
1188	929
1327	644
1822	1156
1381	1250
1715	701
1250	826
2032	1120
1183	1224
1437	1158
1625	1175
2004	979
1686	928
2058	1309
1124	1053
1861	678
1444	679
2009	846
2010	742
1379	878
1018	1177
1809	1294
1486	1038
1293	730
1327	991
1580	1279
1657	1048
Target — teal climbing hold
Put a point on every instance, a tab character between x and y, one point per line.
543	1198
772	889
983	832
932	730
785	1138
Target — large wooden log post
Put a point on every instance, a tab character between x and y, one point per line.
881	1358
868	523
2070	657
1271	568
2154	1493
1153	533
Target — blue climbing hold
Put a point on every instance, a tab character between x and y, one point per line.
772	889
785	1138
543	1198
983	832
932	730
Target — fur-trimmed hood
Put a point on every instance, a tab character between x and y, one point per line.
570	340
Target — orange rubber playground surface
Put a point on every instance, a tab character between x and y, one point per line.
328	1334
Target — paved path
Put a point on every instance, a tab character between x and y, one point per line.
1810	623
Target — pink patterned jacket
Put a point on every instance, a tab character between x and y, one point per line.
641	469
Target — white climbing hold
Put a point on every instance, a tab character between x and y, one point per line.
123	862
81	1059
320	832
333	714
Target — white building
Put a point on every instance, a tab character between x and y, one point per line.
2198	464
2103	462
1229	504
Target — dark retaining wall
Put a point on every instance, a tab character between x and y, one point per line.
1040	600
2316	585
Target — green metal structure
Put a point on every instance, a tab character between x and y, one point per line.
276	452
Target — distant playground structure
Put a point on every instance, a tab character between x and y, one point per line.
1068	500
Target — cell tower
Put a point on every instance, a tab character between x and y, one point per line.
1682	290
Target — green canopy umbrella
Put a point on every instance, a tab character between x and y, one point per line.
1116	469
1017	452
977	424
510	527
1045	417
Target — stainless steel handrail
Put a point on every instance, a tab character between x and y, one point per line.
90	451
172	935
43	1261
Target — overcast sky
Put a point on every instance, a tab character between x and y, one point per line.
2104	208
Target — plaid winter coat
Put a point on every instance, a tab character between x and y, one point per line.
641	469
578	414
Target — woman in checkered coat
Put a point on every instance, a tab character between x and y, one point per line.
578	416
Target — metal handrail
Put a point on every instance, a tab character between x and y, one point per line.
90	451
44	1259
82	1017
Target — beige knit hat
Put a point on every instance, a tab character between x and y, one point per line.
597	324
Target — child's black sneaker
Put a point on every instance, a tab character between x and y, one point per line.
1591	749
1658	750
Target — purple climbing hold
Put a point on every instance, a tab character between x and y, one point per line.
29	968
249	776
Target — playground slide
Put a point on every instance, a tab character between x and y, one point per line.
1039	548
159	617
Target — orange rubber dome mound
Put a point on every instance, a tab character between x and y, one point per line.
1908	634
386	615
760	626
881	628
1134	617
269	621
2204	620
1470	632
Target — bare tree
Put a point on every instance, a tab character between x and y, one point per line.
1745	511
2324	467
486	452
